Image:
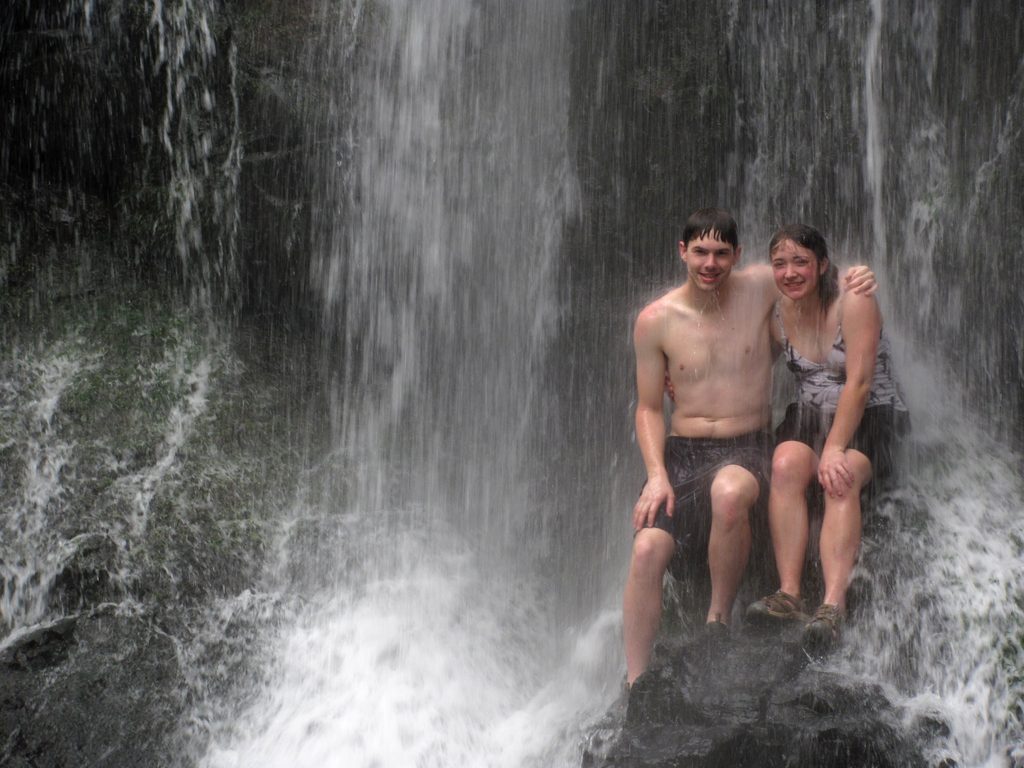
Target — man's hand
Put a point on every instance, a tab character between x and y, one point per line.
656	492
834	474
860	280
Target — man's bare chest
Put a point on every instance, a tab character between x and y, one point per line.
716	347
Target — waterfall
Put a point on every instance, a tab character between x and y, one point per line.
450	256
119	100
943	567
874	157
316	374
432	634
434	631
32	556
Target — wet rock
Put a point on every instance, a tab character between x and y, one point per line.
41	647
756	701
109	695
87	574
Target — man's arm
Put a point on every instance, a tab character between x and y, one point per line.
650	418
859	279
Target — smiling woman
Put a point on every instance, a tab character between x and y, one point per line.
841	431
801	269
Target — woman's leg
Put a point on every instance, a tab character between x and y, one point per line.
841	531
794	466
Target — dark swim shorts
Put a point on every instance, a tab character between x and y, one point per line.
878	436
692	463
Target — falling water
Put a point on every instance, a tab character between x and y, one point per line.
874	157
492	189
66	60
431	633
32	556
954	556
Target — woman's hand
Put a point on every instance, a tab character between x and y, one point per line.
834	473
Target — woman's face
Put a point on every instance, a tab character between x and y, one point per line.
796	270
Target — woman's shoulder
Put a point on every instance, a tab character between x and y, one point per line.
854	308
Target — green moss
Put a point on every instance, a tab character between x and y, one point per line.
214	493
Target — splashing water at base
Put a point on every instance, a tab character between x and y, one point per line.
425	669
943	627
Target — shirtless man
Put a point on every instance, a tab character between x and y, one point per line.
711	336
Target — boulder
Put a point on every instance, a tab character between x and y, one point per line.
756	700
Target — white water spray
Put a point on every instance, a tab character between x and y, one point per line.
874	156
32	551
430	636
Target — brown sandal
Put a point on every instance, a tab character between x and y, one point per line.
776	608
822	632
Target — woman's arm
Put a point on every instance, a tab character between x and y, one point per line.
862	326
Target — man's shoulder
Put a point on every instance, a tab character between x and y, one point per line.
754	274
754	283
659	315
667	306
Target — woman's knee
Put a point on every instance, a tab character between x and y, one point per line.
860	465
793	463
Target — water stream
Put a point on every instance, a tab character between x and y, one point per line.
433	634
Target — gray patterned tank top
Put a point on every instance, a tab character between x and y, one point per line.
820	384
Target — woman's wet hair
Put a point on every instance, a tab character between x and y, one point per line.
808	237
711	222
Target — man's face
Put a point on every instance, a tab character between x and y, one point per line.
708	261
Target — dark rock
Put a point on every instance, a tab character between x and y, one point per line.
111	694
41	647
87	575
757	701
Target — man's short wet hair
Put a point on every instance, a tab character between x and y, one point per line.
717	223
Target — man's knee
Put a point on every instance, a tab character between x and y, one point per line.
733	492
652	551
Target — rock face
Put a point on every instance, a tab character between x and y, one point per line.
758	701
100	688
124	122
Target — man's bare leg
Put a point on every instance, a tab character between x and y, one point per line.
733	492
793	468
641	603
